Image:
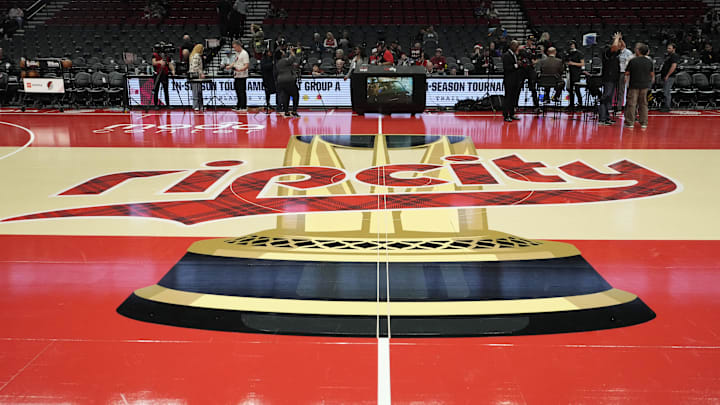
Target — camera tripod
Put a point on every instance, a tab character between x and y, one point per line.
487	89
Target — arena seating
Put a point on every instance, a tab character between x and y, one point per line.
455	40
83	29
564	12
97	37
131	12
5	5
378	12
640	20
101	41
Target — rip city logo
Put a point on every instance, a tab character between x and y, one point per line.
249	194
223	127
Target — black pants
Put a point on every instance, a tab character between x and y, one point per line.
574	91
530	75
285	91
512	92
268	93
280	97
606	100
558	91
241	91
161	80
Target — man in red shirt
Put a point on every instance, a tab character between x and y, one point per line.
386	56
163	65
439	61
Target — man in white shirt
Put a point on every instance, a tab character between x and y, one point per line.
624	56
240	68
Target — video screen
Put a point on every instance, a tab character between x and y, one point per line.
384	90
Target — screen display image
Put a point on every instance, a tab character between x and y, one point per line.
390	90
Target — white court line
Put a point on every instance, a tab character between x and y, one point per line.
26	366
32	139
383	395
383	344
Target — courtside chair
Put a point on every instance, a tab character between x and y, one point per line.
704	91
715	82
684	90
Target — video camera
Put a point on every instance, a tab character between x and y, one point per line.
567	52
164	47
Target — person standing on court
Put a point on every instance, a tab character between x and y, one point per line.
267	67
287	82
610	77
576	63
196	73
624	56
639	75
511	81
240	68
668	72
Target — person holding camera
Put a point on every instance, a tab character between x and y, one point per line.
528	59
195	71
610	77
163	65
576	63
624	56
267	68
287	82
240	68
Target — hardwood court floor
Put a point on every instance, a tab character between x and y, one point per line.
63	277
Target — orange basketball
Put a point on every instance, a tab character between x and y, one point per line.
66	63
33	73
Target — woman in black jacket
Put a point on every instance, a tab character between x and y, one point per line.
268	76
287	82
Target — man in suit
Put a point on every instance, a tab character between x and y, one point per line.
511	81
552	67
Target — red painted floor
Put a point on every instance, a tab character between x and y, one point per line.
184	129
61	340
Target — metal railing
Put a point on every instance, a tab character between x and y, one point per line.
35	8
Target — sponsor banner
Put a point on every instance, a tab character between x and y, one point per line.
54	86
314	92
325	92
447	91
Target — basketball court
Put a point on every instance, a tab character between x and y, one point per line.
222	257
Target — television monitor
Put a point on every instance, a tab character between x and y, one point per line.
390	89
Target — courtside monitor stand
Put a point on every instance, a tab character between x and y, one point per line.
388	89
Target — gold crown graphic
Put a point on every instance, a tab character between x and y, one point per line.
411	272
